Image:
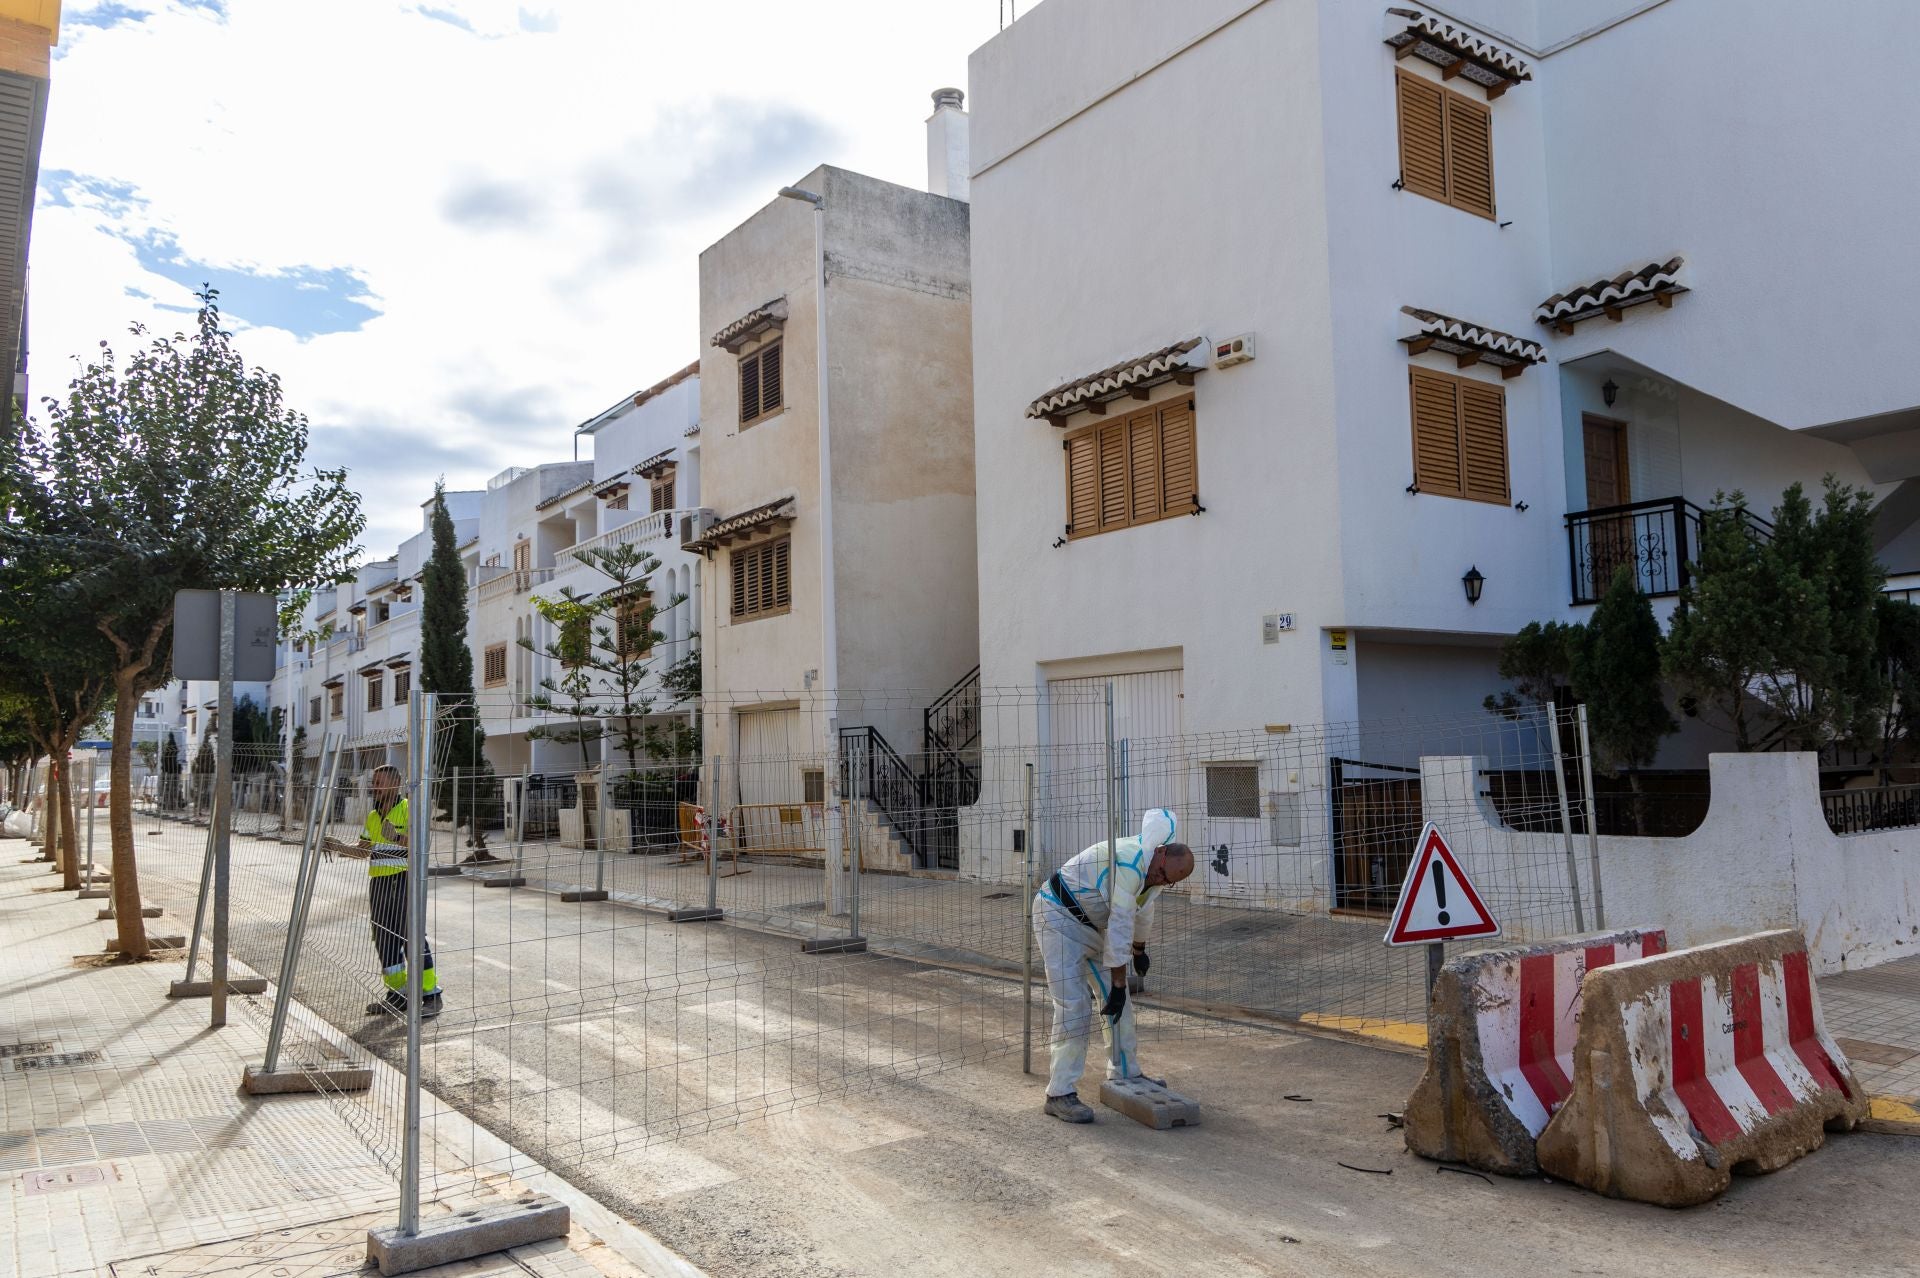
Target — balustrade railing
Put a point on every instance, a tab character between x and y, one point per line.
659	525
1656	540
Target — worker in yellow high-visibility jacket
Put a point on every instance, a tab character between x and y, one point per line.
385	839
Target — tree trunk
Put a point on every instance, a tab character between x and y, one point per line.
50	826
132	930
1639	802
70	837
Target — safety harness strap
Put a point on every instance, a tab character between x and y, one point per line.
1066	898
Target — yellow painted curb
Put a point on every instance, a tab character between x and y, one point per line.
1902	1113
1403	1033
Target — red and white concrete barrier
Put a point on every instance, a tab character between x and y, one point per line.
1693	1064
1501	1035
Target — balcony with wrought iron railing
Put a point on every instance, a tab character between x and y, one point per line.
1656	539
653	532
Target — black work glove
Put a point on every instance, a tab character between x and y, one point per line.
1116	1001
1141	962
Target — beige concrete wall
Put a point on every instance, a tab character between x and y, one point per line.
900	344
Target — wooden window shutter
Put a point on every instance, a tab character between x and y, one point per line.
1113	475
742	570
749	388
1436	432
770	379
1083	485
781	577
1180	478
1469	155
1143	466
1483	435
1423	147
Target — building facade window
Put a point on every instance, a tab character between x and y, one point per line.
1446	145
660	492
522	564
402	685
336	702
762	393
762	579
813	785
1459	437
313	710
1132	470
494	664
618	501
376	691
634	626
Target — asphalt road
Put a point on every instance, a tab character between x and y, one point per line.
768	1113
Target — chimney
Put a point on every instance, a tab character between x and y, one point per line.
947	154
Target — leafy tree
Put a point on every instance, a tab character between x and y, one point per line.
680	685
1616	673
1538	661
181	468
1721	640
572	617
446	669
255	741
1897	643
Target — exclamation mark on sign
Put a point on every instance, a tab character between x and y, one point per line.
1440	891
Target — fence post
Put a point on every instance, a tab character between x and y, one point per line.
421	718
1026	956
93	802
454	772
1593	821
1111	824
858	811
223	808
199	911
1566	822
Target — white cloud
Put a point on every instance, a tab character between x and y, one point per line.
522	192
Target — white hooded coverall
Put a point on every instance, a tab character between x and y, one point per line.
1080	958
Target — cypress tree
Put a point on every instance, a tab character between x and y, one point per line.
1616	671
446	668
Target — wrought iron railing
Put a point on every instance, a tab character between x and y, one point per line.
1886	807
1656	540
870	769
950	730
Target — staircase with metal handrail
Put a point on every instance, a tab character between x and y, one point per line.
922	806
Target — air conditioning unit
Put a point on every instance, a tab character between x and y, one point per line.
1229	351
694	526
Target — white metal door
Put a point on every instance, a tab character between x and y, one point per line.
1151	762
770	756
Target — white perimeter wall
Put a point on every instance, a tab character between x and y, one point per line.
1763	858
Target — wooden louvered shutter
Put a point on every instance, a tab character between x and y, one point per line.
1423	149
749	388
1180	478
778	574
1113	475
770	379
1143	467
1436	433
742	572
1083	485
1483	436
1469	155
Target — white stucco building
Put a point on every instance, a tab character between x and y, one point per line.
1497	267
865	581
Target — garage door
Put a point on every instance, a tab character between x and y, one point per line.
1151	763
772	756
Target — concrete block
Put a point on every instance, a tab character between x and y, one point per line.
835	945
695	914
488	1226
94	894
504	881
590	894
1500	1041
1694	1065
442	871
328	1078
146	912
1148	1103
204	989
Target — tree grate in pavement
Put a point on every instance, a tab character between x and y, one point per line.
9	1050
61	1146
56	1060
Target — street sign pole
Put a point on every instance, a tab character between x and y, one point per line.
223	809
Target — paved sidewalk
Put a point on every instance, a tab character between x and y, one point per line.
1875	1017
126	1146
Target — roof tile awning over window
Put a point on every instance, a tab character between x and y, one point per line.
357	608
1455	50
658	464
400	660
612	486
333	682
1134	377
760	521
760	319
385	736
1472	344
1655	282
372	668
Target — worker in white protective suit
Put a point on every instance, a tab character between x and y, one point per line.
1092	919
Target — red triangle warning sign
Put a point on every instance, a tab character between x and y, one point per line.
1438	901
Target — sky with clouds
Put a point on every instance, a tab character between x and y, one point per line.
455	228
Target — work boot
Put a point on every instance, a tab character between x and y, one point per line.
430	1006
395	1002
1069	1108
